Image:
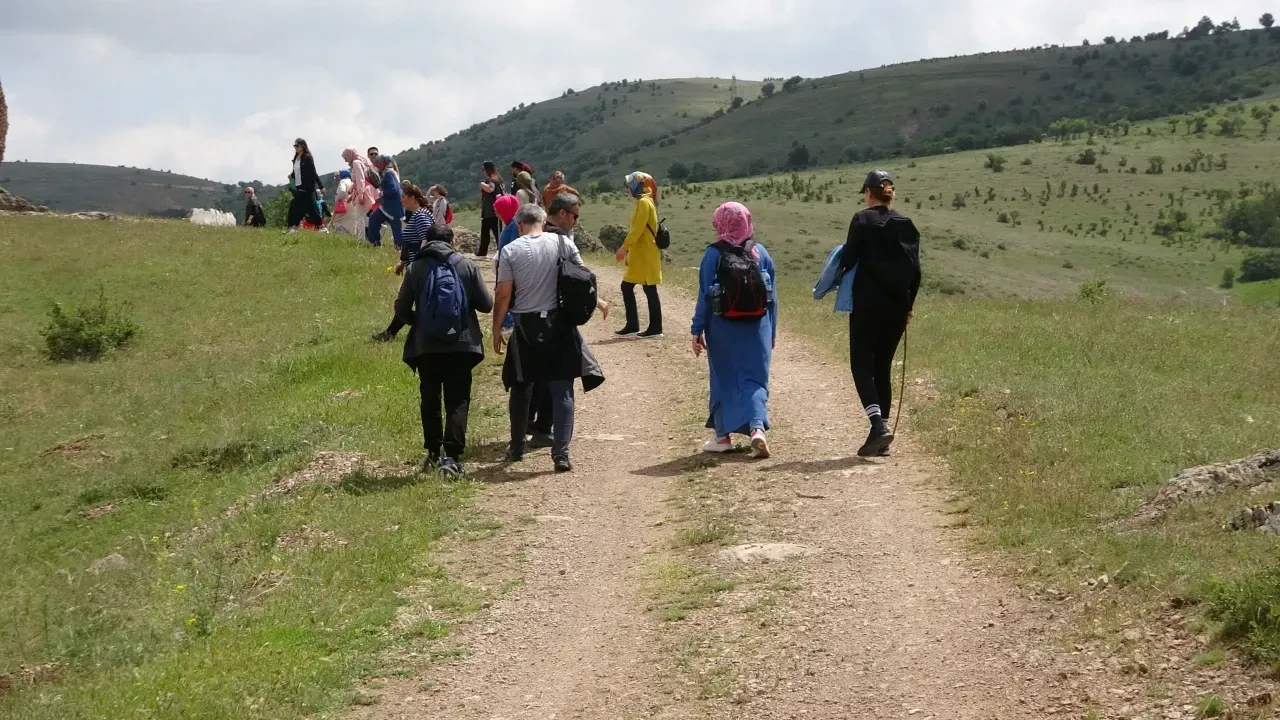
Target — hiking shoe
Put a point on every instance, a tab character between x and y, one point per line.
515	453
718	445
563	465
878	441
450	468
627	332
430	464
759	445
650	335
382	337
540	441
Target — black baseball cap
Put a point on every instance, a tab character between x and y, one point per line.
877	178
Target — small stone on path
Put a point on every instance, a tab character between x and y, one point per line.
110	563
765	552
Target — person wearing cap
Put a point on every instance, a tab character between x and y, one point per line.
884	247
491	188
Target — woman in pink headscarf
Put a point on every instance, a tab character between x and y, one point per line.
363	196
736	322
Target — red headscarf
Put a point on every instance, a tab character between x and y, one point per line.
506	207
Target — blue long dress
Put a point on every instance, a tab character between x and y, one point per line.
738	352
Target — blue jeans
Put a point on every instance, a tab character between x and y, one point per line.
373	233
520	401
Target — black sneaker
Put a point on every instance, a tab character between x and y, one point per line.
450	468
382	337
650	335
563	465
515	453
627	332
430	464
540	441
878	441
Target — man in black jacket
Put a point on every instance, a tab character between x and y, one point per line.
444	369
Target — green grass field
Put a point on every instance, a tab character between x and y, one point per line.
253	353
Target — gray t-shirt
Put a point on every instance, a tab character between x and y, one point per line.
530	263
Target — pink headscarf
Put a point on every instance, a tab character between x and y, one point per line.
732	222
363	194
350	154
506	207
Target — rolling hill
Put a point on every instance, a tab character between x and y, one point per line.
912	109
70	187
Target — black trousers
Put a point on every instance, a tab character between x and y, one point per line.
873	340
633	312
541	410
303	205
445	377
489	226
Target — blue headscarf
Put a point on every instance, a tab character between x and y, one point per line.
344	174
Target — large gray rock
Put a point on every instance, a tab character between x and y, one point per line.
612	237
13	203
111	563
1210	480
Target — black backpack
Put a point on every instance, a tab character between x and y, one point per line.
661	238
575	290
745	295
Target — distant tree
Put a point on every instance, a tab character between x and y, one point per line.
792	83
768	89
994	163
798	158
678	172
1199	124
1230	127
1267	20
1085	43
1079	61
1263	115
1087	157
737	103
1109	40
1202	29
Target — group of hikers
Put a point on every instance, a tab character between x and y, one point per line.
544	293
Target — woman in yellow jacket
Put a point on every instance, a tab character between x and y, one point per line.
644	260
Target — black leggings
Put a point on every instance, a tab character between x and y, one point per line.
303	205
633	312
873	340
490	226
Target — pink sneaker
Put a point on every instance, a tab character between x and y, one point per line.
718	445
759	445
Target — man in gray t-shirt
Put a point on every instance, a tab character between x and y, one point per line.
531	265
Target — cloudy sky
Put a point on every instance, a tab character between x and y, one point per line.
219	88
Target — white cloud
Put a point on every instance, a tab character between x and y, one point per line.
220	88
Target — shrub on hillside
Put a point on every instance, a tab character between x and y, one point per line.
1094	291
1087	157
1249	610
88	332
994	163
1255	220
1259	267
277	210
1228	278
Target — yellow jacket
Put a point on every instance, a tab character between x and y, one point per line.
644	260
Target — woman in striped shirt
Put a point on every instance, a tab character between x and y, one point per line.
415	236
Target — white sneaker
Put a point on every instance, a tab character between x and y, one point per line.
718	445
759	445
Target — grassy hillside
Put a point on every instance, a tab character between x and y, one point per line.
919	108
252	352
1111	220
70	187
577	132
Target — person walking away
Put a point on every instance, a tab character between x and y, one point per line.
556	187
643	259
491	188
736	322
438	196
544	347
343	219
254	215
526	191
884	247
305	183
391	208
363	195
439	298
415	237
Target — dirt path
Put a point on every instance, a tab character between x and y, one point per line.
887	619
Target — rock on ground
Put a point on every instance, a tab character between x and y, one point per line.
110	563
1210	480
612	237
766	552
468	242
12	203
1263	517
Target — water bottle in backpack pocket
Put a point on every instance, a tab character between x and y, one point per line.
442	307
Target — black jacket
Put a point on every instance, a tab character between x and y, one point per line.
479	299
253	213
885	247
310	180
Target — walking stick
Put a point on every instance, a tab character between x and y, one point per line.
902	394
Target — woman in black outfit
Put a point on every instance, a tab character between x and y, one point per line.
884	247
305	184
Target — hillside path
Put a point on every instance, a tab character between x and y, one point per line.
889	618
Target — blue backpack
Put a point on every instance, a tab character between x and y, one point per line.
443	303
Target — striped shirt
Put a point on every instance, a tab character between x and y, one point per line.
415	234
